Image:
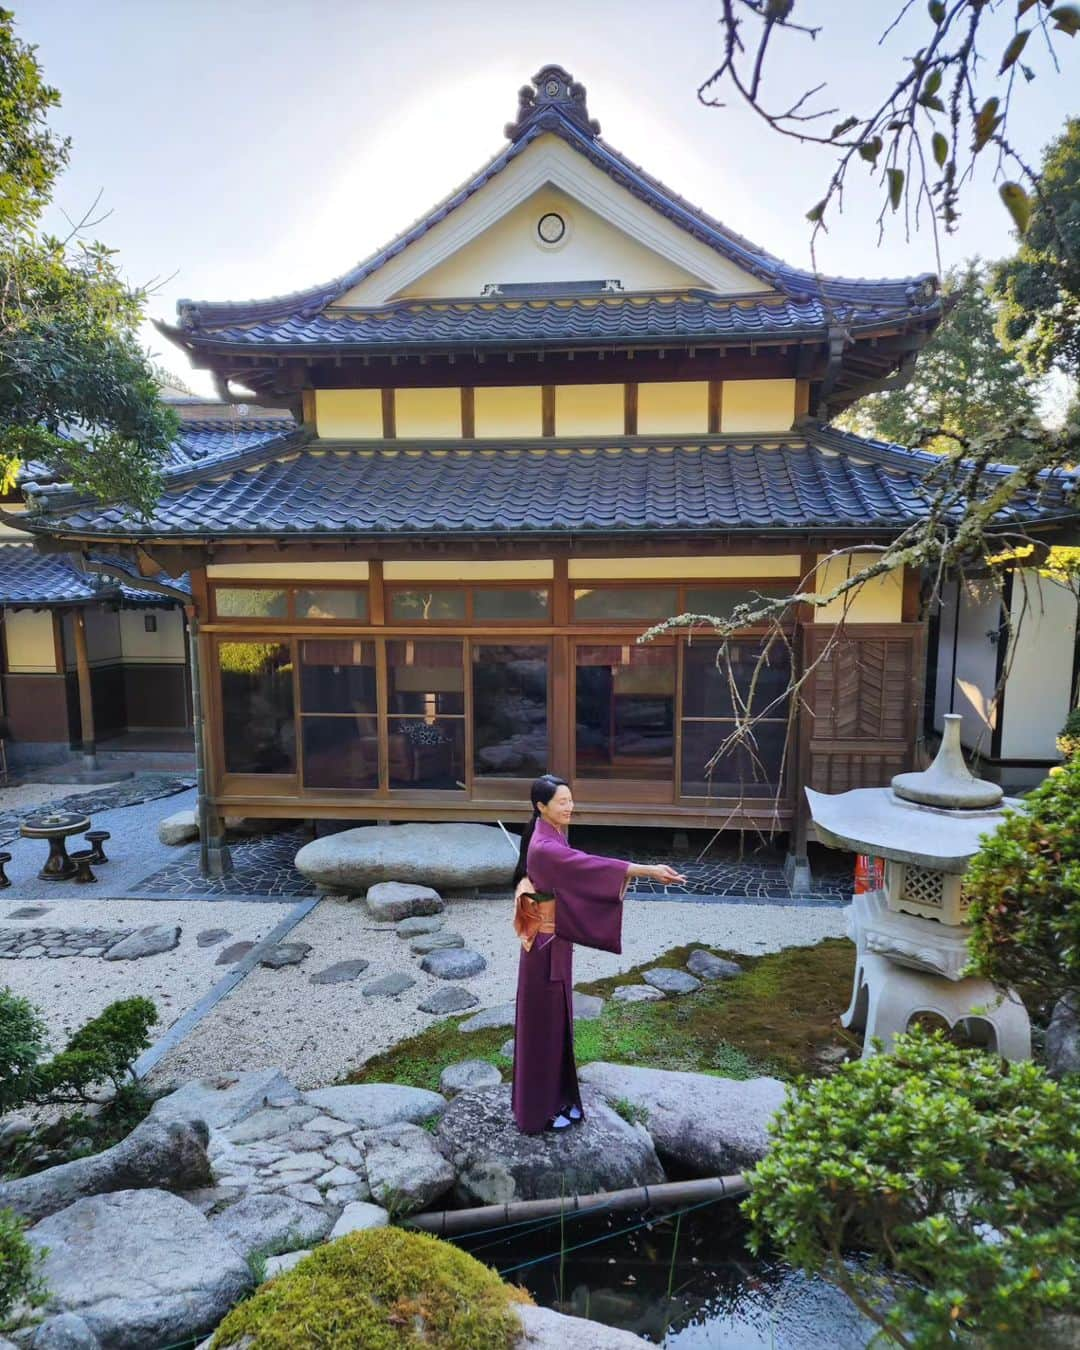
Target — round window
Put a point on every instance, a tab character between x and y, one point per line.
551	227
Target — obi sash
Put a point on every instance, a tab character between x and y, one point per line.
534	913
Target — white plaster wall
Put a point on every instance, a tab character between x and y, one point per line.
1038	691
165	647
28	636
976	664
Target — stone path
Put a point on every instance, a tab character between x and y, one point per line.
261	866
28	943
145	787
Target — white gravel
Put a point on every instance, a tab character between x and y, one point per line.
71	990
317	1033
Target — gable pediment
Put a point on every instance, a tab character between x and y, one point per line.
493	239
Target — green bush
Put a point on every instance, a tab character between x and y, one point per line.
19	1278
381	1289
956	1172
22	1043
1025	888
1068	741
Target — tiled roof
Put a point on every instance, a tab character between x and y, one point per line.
205	441
820	479
29	578
199	319
441	323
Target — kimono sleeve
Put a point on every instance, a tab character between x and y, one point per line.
588	891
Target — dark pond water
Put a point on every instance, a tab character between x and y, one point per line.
721	1297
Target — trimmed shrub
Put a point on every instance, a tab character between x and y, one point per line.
956	1172
1025	887
19	1278
22	1043
1068	741
102	1051
380	1289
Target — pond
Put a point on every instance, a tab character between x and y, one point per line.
687	1283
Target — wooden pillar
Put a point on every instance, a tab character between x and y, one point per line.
86	701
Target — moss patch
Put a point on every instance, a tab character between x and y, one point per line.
780	1016
383	1289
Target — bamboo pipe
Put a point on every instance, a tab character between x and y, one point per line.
446	1222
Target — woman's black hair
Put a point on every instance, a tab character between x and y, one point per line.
541	792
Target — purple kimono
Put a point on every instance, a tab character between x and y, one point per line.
588	909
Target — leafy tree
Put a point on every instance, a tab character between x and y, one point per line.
965	383
955	1172
1040	286
77	391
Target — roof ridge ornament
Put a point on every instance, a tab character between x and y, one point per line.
553	90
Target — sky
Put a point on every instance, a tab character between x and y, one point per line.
254	147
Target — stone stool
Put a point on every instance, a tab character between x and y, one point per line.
887	996
5	880
82	860
96	838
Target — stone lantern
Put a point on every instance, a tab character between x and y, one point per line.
911	936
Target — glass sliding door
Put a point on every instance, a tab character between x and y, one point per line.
426	713
338	708
257	722
714	693
624	704
510	709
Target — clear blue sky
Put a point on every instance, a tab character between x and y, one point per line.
246	149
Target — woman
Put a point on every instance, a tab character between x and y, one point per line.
562	896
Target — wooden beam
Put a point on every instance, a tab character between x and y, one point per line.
389	415
82	669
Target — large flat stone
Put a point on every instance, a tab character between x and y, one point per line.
419	923
284	954
389	986
179	828
226	1098
270	1224
372	1105
456	856
670	981
341	972
546	1329
470	1073
405	1169
435	942
148	941
141	1268
710	1126
393	901
452	999
453	963
496	1163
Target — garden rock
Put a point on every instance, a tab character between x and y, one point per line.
453	963
709	966
435	942
450	1000
357	1216
587	1007
227	1098
141	1268
341	972
210	937
1063	1038
179	828
261	1222
370	1106
458	856
233	953
271	1121
419	923
546	1329
284	954
277	1265
391	901
507	1049
405	1169
170	1154
388	986
636	993
149	941
496	1163
66	1332
470	1073
671	981
711	1126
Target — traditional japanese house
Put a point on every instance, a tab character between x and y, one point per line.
562	406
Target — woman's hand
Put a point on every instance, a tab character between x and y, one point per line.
665	875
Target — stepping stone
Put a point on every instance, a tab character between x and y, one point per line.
708	966
341	972
149	941
389	985
449	1000
636	993
28	912
230	955
587	1007
671	981
453	963
210	937
507	1049
419	923
392	900
435	942
470	1073
285	954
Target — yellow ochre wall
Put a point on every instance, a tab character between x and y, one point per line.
589	409
879	600
425	413
671	409
348	414
516	410
28	635
757	405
